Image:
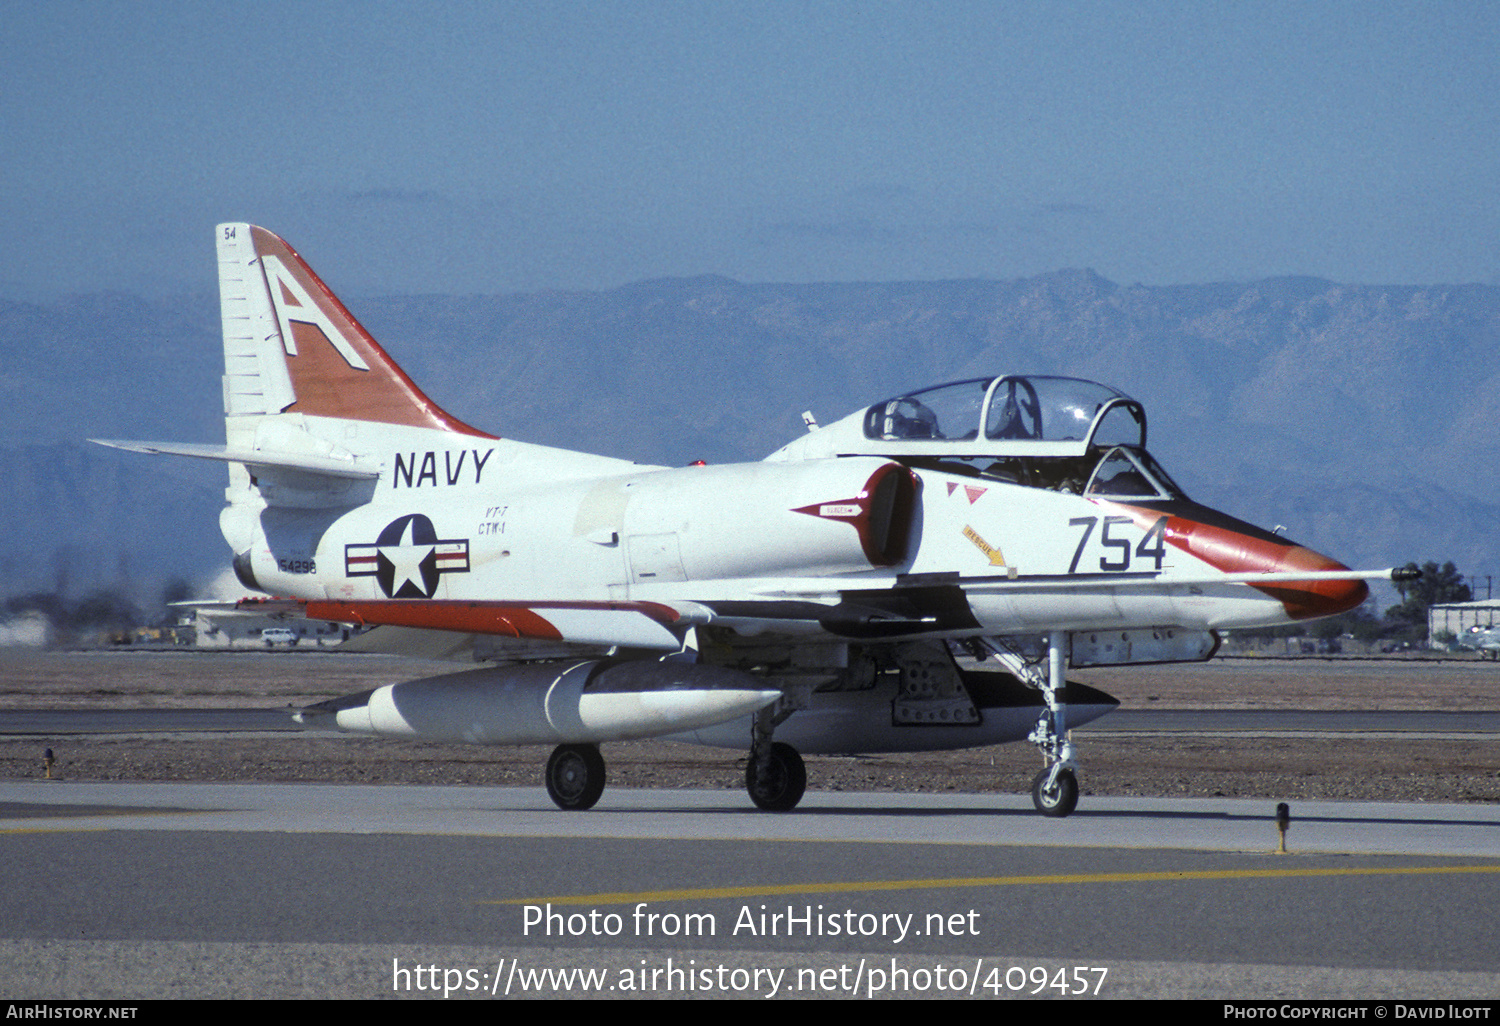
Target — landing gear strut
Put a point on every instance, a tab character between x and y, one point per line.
1054	791
575	776
775	775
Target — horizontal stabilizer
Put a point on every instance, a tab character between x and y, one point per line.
328	466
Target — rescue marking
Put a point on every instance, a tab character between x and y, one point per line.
996	557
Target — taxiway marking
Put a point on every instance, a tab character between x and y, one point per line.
1162	876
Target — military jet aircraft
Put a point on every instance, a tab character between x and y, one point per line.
1482	639
916	576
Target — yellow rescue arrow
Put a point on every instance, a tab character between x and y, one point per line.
997	558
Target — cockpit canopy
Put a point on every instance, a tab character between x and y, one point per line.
1063	434
1012	416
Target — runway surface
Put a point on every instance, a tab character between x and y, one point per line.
1222	722
139	890
220	890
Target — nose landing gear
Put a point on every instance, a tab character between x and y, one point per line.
1054	791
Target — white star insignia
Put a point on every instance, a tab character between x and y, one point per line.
406	561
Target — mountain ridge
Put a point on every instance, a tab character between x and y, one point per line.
1361	417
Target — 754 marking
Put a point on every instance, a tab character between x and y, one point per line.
1153	546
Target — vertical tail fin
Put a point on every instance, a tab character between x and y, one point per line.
290	346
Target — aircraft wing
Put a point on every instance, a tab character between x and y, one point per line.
631	624
939	603
451	646
1093	582
917	604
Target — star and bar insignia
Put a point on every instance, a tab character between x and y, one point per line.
408	558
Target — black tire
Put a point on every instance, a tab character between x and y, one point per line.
575	776
784	783
1059	800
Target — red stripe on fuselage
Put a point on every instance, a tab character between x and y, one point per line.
506	619
468	617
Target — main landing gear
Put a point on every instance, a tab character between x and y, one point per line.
780	785
775	775
575	776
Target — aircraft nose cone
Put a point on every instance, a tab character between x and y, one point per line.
1308	600
1236	547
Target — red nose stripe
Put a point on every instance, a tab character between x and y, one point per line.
1235	552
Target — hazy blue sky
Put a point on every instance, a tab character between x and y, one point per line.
487	147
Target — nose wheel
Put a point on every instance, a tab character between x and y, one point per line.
575	776
1054	791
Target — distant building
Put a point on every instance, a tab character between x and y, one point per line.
236	628
26	630
1458	617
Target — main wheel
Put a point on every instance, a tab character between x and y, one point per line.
575	776
784	782
1057	800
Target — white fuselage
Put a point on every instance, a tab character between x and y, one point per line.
510	521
